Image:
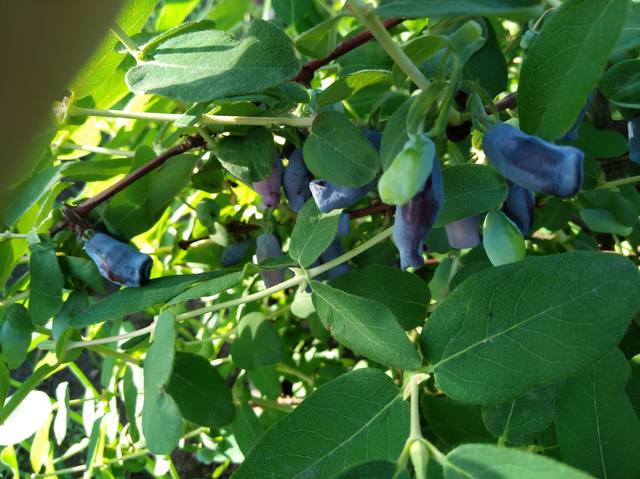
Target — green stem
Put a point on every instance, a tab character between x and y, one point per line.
301	122
620	182
25	388
105	351
7	235
415	431
97	149
365	14
84	380
126	40
14	299
270	404
286	369
296	280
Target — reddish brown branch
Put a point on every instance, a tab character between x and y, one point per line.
82	210
308	70
371	210
508	102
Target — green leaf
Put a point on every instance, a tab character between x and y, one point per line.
483	461
319	40
365	326
45	290
520	420
161	418
106	59
373	470
454	422
470	190
599	143
598	430
97	170
502	240
139	206
451	8
621	84
534	323
345	87
313	233
248	157
603	221
173	12
555	82
487	66
336	151
292	11
405	294
30	192
130	300
409	171
246	428
200	392
15	335
357	417
257	343
630	36
203	65
221	281
26	419
60	421
395	136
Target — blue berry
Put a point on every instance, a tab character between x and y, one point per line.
415	219
329	196
343	225
334	250
519	207
268	246
375	137
118	262
634	139
234	253
269	189
464	233
533	163
296	180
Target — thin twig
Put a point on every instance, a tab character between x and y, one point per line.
308	70
87	206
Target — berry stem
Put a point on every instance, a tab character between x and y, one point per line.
620	182
126	40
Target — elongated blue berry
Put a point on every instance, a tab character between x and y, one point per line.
572	134
375	137
415	219
343	225
634	139
118	262
329	196
464	233
334	250
269	189
296	180
533	163
519	207
268	246
234	253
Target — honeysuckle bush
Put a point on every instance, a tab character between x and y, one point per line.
326	239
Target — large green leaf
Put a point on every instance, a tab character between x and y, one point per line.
470	190
524	325
220	281
518	421
453	422
320	40
257	343
130	300
313	233
15	335
248	157
106	59
555	82
138	207
358	417
45	290
345	87
336	151
598	430
405	294
621	83
209	64
630	36
161	418
395	136
26	419
366	326
483	461
200	391
445	8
